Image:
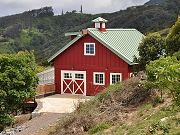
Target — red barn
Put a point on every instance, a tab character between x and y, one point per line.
95	58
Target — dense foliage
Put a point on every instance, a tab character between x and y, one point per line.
154	46
151	48
18	81
173	39
50	29
165	75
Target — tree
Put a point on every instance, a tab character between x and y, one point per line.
173	38
164	74
18	81
151	48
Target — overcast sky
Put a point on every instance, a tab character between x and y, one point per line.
8	7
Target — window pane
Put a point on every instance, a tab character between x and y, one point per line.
67	75
90	49
115	78
79	76
87	49
99	78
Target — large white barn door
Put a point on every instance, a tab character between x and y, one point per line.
73	82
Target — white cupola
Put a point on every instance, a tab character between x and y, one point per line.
100	23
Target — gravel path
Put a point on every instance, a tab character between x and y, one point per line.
39	123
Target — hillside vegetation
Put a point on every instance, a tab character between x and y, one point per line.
125	108
43	32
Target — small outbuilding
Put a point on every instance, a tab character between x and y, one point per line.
95	58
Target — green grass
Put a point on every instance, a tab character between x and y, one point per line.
149	121
100	127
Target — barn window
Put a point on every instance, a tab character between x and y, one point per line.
67	75
99	78
79	76
115	78
89	49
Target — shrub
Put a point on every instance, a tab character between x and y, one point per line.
5	120
109	91
18	81
165	74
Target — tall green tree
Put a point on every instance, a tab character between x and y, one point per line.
173	38
18	81
151	48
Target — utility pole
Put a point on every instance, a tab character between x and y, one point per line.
62	12
81	9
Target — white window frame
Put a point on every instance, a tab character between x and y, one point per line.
94	78
104	25
111	74
88	54
97	25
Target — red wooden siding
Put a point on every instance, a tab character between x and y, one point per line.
104	61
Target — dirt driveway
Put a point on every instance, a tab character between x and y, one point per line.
60	103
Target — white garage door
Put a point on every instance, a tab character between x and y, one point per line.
73	82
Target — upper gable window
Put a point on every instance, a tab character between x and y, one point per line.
89	48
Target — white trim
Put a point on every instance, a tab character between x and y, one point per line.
73	80
88	54
94	77
103	25
131	75
115	74
97	25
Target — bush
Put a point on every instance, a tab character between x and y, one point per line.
109	91
18	81
165	74
5	120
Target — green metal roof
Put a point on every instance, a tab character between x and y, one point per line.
99	19
123	42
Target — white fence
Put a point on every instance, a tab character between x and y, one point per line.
46	77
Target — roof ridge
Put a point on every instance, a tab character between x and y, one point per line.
120	29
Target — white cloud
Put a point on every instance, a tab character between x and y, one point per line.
8	7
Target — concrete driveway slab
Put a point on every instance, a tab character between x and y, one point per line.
60	103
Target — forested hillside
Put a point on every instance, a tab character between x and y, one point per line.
41	31
155	2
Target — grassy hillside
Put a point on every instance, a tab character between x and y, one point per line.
43	32
125	108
